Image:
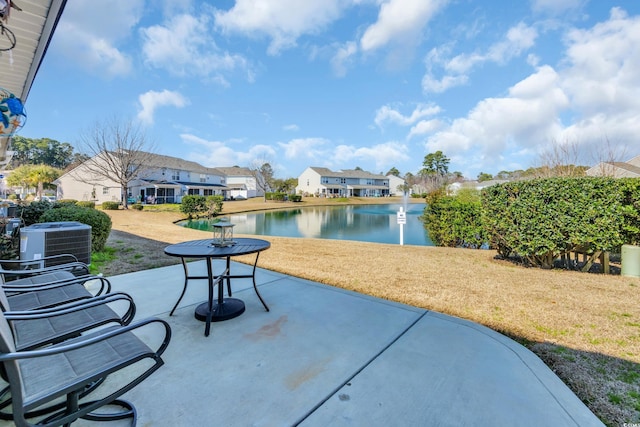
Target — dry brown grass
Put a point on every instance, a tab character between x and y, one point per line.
585	326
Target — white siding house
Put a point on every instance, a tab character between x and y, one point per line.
241	183
163	179
323	182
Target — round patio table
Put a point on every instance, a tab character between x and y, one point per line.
222	308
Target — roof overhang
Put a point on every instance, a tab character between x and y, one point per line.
33	27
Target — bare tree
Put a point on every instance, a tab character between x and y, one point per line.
560	159
118	150
262	173
606	155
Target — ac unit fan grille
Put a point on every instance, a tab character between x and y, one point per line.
76	242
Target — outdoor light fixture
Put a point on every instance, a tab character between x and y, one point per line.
223	234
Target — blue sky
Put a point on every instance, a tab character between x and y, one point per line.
341	84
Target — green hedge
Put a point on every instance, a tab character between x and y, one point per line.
540	220
31	212
110	206
86	204
455	220
99	221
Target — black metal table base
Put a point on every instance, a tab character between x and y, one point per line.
230	308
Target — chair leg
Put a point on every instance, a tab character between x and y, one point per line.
128	412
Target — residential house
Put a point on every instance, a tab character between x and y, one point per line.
163	179
323	182
241	183
396	185
628	169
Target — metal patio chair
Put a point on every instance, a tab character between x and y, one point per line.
42	326
36	292
35	328
41	377
13	269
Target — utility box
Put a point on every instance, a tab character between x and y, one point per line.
630	261
56	238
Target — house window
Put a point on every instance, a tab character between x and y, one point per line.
105	191
175	175
343	180
203	177
325	180
208	192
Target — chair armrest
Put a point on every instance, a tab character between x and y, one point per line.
105	285
66	258
86	340
74	306
71	267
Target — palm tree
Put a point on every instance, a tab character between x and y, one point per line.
33	176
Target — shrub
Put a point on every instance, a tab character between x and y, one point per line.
64	202
214	205
277	196
86	204
295	198
455	221
110	206
99	221
31	213
193	205
540	220
137	206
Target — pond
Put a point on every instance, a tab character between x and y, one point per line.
364	223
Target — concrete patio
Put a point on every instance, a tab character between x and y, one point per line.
324	356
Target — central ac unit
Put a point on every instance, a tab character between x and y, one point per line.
56	238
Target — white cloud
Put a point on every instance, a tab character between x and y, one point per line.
184	46
310	149
321	152
86	38
388	114
527	117
291	128
517	40
283	21
399	20
343	58
602	80
226	153
424	127
383	156
151	100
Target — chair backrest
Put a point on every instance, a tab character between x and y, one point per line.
4	302
7	345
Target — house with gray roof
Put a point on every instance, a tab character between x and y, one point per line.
628	169
241	183
161	179
323	182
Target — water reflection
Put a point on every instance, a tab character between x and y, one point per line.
366	223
